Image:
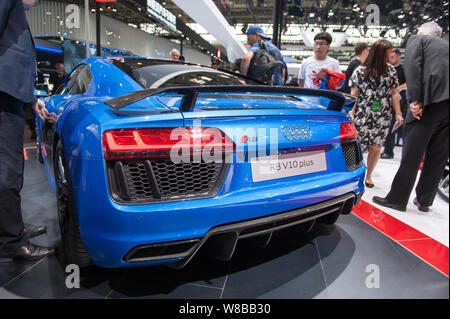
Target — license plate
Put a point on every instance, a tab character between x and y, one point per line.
287	165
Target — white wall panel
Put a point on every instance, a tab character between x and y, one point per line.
51	19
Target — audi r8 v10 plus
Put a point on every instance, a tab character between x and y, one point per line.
153	160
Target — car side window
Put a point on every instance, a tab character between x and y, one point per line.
62	87
83	80
77	82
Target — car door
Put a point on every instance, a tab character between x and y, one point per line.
75	84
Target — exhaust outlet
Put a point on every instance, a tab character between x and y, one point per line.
175	249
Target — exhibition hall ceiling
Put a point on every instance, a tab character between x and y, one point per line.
328	12
398	14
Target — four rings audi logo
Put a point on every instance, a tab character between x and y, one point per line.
297	132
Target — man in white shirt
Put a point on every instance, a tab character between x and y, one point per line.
316	65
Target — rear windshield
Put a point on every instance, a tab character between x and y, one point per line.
165	73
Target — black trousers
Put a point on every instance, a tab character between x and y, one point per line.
389	143
12	123
427	136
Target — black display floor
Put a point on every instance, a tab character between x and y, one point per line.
348	260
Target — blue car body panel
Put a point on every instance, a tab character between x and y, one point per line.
110	229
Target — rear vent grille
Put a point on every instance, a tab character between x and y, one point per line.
138	181
161	180
352	155
186	179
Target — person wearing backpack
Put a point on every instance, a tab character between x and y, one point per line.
263	61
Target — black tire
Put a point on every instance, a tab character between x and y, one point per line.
329	219
72	243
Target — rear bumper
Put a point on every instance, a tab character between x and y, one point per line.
115	238
111	231
221	240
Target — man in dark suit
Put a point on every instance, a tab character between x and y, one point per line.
426	129
17	80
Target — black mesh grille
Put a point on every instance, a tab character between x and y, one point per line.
161	180
185	179
138	181
352	155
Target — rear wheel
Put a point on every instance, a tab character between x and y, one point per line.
72	242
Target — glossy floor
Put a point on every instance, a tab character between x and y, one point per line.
349	260
434	223
425	234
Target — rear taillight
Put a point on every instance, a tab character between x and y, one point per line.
166	142
348	133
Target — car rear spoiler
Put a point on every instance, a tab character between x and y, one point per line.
337	100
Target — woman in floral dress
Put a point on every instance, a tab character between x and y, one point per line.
375	84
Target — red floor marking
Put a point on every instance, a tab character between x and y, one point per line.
426	248
25	152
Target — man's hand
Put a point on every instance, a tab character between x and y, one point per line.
41	111
322	73
416	109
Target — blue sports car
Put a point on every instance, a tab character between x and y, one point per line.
153	160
